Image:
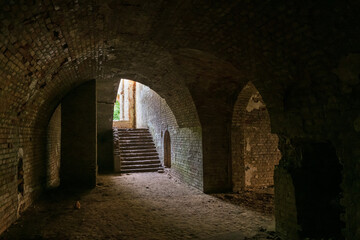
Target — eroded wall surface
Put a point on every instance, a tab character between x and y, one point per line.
254	148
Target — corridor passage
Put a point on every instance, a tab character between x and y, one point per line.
139	206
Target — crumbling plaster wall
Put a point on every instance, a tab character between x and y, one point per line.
254	148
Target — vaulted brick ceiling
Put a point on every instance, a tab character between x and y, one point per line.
195	50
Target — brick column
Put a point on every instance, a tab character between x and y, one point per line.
105	136
78	137
216	148
216	159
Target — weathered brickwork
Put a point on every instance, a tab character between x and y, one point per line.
54	149
254	147
186	150
27	145
301	56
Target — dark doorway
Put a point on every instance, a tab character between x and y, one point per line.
318	192
167	149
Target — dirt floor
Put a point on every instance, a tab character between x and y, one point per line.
141	206
259	201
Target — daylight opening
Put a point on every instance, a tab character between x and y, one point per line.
124	107
141	120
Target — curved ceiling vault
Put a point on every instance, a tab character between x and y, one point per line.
211	48
49	48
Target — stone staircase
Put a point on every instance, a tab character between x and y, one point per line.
136	150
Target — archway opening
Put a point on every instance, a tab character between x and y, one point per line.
158	107
141	120
317	191
124	107
254	149
167	149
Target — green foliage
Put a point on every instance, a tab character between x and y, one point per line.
116	111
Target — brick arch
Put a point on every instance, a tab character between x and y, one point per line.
170	87
254	148
176	99
29	115
162	78
176	95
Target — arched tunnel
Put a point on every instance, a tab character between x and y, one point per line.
301	60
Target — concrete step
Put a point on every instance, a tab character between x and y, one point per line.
135	139
136	147
132	145
123	133
124	144
155	165
132	129
140	162
135	135
136	151
141	170
132	132
141	154
138	158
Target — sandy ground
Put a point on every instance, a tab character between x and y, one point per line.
140	206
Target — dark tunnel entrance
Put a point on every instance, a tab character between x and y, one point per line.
318	192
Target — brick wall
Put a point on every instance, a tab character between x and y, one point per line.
153	112
28	145
54	149
254	147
